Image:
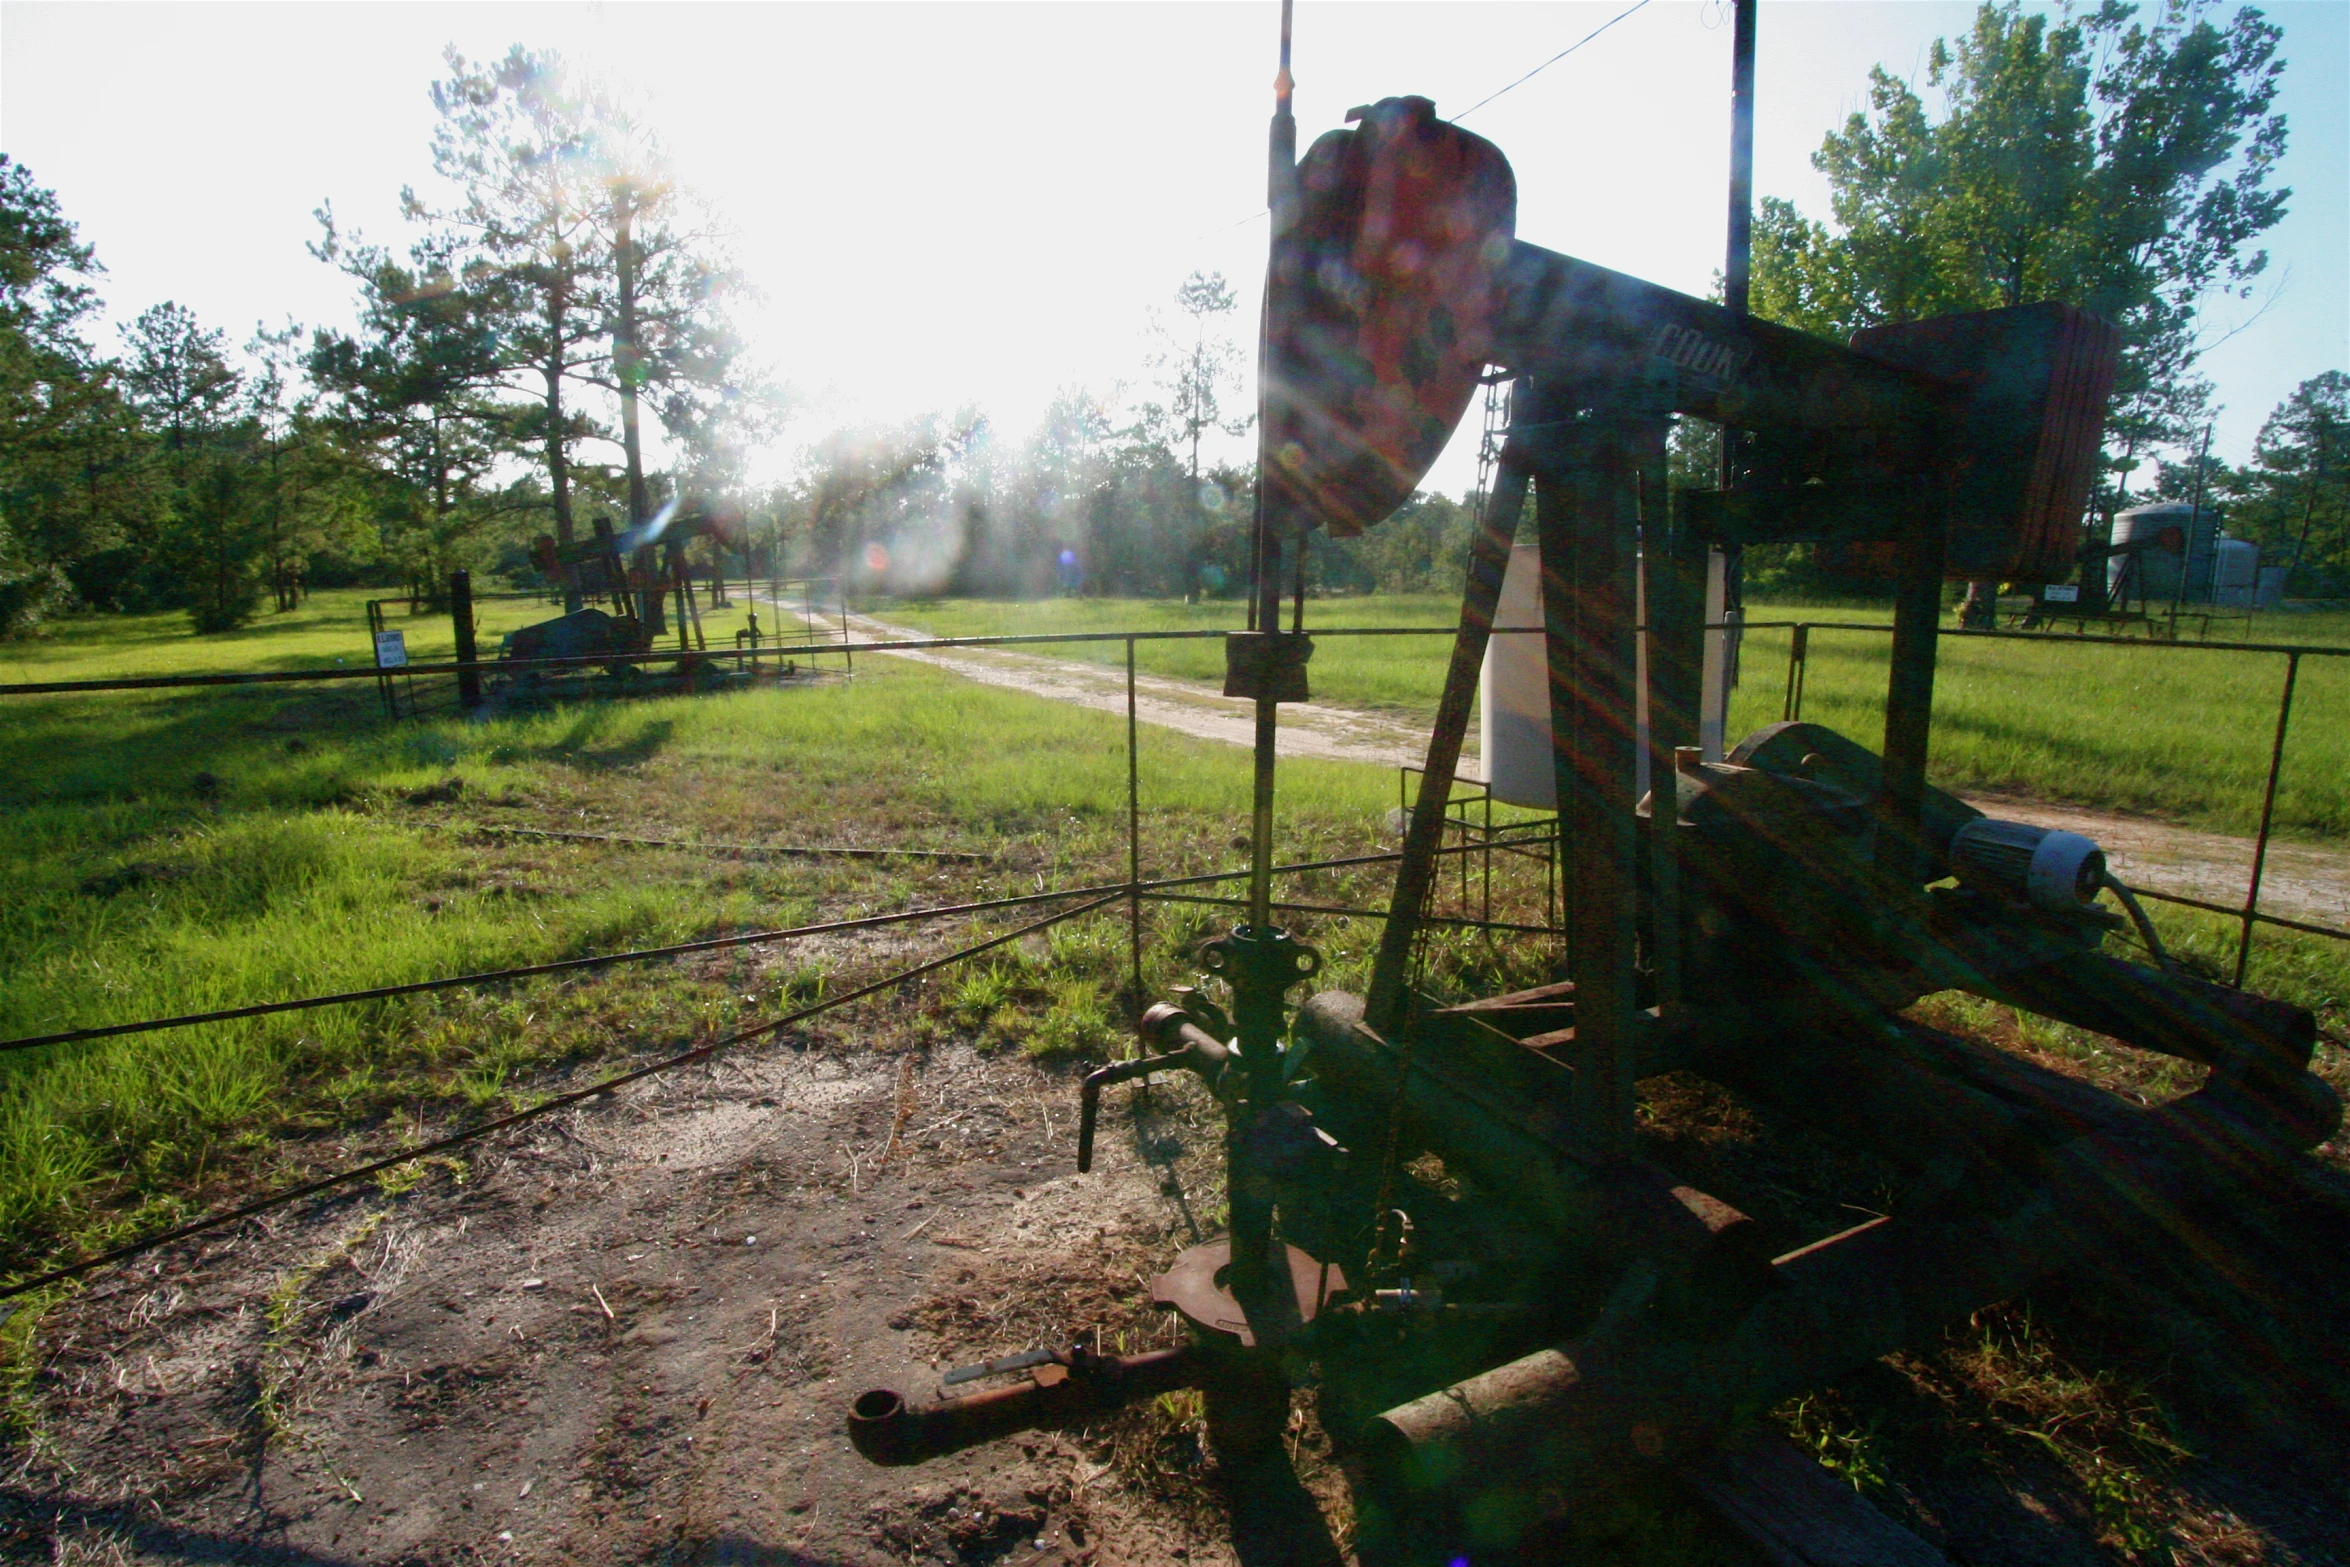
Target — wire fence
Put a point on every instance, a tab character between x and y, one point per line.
1525	839
2248	913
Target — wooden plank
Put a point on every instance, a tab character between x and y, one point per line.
1795	1513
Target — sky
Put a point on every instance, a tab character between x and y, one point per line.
949	204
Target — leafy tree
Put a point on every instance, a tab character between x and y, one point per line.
2293	498
307	490
519	139
74	469
179	377
673	283
413	392
671	341
2117	165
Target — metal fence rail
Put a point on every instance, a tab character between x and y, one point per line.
2248	914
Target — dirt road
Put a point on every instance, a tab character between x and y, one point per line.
2302	881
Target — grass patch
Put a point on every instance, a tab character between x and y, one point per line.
1402	675
2178	734
185	851
330	628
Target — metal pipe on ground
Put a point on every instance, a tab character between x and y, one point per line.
2029	1173
1549	1432
1503	1137
889	1431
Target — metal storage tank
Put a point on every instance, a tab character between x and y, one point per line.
1513	695
2159	569
2271	591
2235	572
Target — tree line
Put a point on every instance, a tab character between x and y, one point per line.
570	286
495	386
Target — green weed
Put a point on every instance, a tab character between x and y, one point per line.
332	851
1848	1448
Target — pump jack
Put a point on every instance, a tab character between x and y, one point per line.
1765	920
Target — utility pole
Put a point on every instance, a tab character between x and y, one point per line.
1737	266
1723	575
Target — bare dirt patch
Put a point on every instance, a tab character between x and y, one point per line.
634	1336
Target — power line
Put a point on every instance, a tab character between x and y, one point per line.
1553	60
1097	896
530	971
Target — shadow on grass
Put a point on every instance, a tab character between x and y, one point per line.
79	749
590	741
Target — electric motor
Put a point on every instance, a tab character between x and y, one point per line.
2044	866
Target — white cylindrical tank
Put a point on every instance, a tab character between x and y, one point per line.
1513	694
2235	573
2158	574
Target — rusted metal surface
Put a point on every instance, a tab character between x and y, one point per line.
2030	414
2268	813
1586	325
1198	1286
1765	922
1382	301
1185	1047
1566	1424
1587	515
888	1430
2091	1184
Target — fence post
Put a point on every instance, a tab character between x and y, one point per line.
1798	658
461	613
2268	811
847	657
1133	832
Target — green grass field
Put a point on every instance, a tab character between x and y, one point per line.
183	850
2181	733
178	851
330	628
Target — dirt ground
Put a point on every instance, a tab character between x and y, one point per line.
633	1335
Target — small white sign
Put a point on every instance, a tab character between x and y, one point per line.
2061	593
391	650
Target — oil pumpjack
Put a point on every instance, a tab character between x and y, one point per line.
1566	1312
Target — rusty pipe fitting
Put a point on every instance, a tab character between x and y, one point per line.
1187	1047
890	1432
